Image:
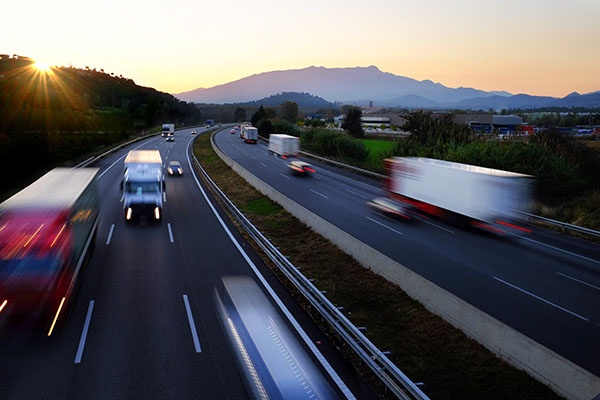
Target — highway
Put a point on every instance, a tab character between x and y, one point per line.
545	285
160	311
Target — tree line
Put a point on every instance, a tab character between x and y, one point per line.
54	117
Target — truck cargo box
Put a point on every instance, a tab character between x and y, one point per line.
250	134
284	145
486	195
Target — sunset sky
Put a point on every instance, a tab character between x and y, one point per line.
538	47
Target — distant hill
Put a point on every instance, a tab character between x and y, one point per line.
304	100
362	85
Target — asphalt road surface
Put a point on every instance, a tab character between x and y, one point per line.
545	285
159	312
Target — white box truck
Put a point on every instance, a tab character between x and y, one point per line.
487	198
168	129
250	134
284	145
143	185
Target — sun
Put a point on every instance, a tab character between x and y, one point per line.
42	67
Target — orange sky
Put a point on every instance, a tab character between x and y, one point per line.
535	47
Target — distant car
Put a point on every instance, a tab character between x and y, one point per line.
170	138
301	168
389	207
193	132
232	131
174	168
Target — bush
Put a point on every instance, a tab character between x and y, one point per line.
281	126
555	176
336	145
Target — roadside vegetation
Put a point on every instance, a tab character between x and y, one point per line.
422	345
565	170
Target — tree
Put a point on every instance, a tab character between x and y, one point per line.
259	115
240	114
289	111
265	127
352	123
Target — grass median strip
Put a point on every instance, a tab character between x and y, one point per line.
425	347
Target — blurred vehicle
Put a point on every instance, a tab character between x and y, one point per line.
284	145
174	168
242	129
193	132
271	359
143	185
47	232
486	198
232	131
390	207
250	134
167	129
301	168
170	138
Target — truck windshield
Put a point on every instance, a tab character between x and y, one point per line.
142	187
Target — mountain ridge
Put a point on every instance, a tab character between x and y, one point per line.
365	85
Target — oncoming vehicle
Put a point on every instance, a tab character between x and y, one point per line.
301	168
174	168
193	132
170	138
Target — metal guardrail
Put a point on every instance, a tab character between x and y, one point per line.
563	225
394	380
93	159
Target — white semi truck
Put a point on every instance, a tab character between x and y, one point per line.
284	145
143	185
488	198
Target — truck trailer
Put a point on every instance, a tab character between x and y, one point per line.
143	185
284	145
487	198
168	129
47	232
